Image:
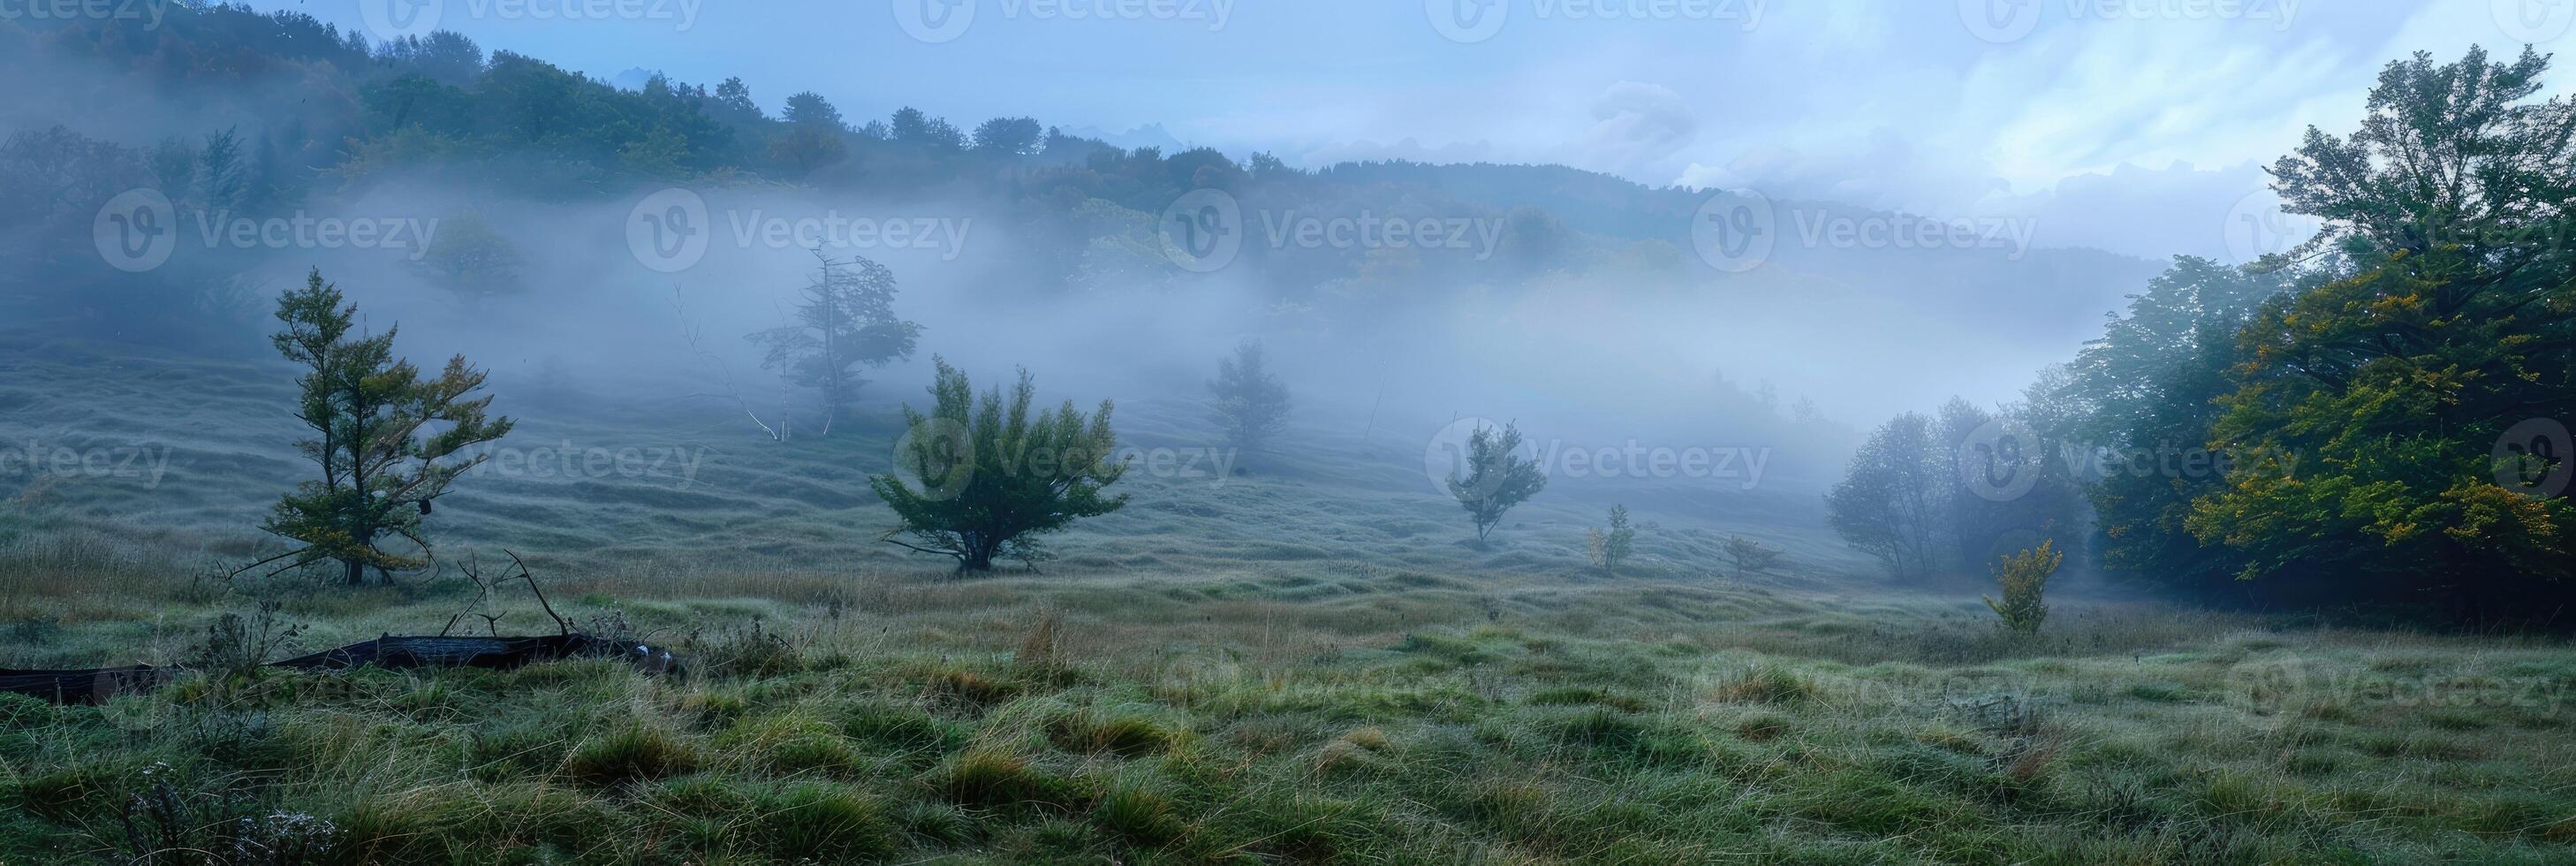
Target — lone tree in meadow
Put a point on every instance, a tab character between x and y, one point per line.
1496	477
1609	549
2024	577
847	321
388	441
990	478
1250	403
1749	556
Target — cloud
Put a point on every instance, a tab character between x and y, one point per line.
1633	125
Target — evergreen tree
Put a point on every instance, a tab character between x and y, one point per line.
388	440
1496	479
1251	404
988	479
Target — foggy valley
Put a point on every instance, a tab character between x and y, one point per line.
1555	432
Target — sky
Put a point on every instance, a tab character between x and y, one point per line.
2137	126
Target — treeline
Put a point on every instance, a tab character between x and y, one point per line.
315	115
2375	420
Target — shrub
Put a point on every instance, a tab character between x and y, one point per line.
2024	577
631	754
826	822
1609	549
1122	735
989	779
1250	403
991	481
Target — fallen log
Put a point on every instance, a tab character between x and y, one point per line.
81	686
396	652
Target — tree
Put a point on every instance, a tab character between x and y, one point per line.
991	479
1496	479
811	109
1611	548
389	441
1251	405
1888	504
2024	577
471	261
913	127
1749	556
847	321
1008	136
2369	404
2149	387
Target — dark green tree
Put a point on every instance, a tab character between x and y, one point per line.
1009	136
1891	500
987	479
846	322
2450	318
1497	477
388	440
1251	404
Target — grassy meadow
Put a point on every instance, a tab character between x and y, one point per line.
1304	663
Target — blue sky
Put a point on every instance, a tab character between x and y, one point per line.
2133	125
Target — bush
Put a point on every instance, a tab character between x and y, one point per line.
2024	577
631	754
990	482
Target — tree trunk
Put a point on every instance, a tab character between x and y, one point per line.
357	571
